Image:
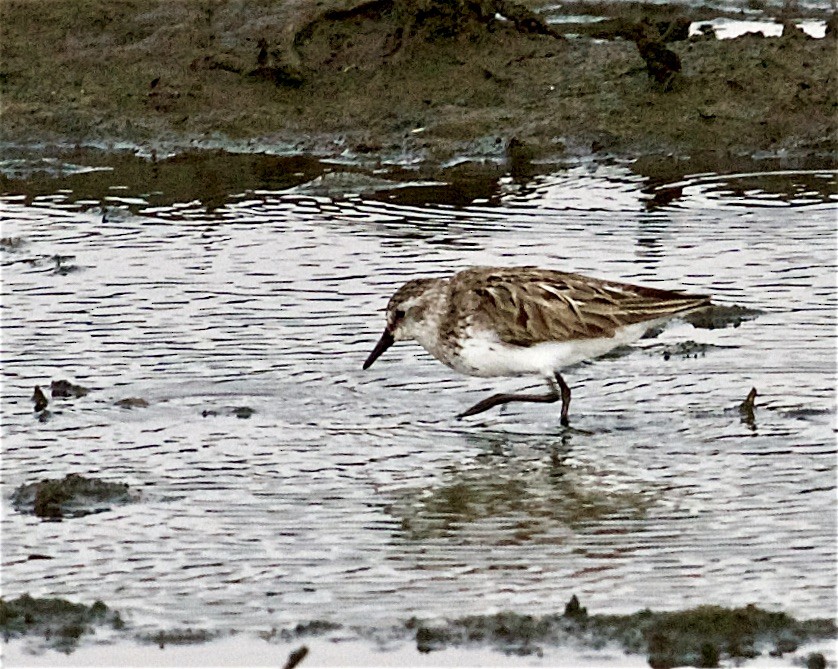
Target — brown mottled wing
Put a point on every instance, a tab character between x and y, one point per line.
529	305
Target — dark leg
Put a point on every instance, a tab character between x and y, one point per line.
565	399
562	393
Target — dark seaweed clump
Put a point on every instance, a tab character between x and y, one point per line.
64	388
60	622
721	316
72	496
698	637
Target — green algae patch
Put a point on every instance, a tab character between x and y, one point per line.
699	637
70	497
60	622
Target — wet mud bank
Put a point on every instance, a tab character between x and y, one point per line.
405	81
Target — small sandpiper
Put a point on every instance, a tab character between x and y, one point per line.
516	321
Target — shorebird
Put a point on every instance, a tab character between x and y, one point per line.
516	321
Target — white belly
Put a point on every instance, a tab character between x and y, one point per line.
486	356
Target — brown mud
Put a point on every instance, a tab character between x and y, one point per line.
398	80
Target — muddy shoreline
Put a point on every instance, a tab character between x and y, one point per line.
702	636
162	78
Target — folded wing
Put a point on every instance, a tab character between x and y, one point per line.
527	306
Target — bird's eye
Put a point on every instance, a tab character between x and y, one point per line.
399	314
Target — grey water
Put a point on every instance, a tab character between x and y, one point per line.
356	497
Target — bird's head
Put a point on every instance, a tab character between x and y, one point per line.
407	313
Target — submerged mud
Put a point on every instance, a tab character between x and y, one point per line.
70	497
61	623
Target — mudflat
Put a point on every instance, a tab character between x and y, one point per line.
382	78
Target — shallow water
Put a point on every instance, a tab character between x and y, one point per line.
355	497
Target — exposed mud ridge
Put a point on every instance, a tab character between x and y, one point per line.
70	497
406	80
371	33
700	637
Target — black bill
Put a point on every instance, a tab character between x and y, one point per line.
383	344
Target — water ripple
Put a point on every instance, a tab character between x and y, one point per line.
347	495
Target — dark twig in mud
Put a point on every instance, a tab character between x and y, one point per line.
296	657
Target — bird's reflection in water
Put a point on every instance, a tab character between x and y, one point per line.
517	489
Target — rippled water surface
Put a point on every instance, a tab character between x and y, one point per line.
356	497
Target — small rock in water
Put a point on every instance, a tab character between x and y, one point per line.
748	405
815	661
132	403
39	399
746	409
9	243
783	646
243	412
64	388
573	609
721	316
